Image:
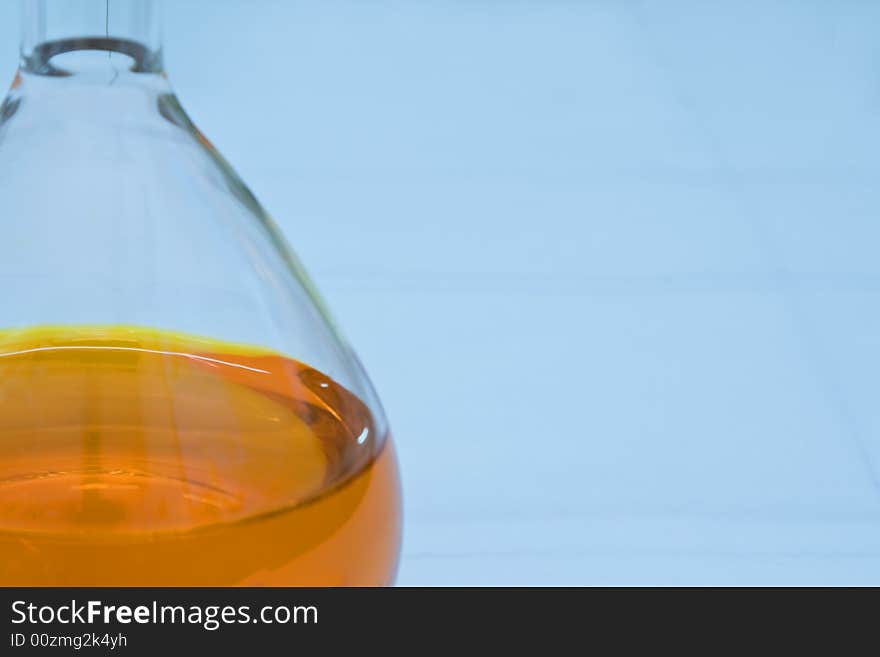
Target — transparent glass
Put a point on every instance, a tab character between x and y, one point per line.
176	405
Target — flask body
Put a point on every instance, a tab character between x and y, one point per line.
176	405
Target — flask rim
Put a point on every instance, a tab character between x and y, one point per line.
39	60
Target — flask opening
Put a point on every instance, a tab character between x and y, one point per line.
64	57
61	38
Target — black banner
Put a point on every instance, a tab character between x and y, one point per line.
268	621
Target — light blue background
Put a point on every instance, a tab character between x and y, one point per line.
611	265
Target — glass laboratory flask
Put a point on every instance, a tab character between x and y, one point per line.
176	405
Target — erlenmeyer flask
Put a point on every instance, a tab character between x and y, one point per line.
176	408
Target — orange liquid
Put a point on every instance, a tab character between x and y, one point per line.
131	457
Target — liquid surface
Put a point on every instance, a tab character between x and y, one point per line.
136	457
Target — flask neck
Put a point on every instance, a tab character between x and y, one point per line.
70	37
